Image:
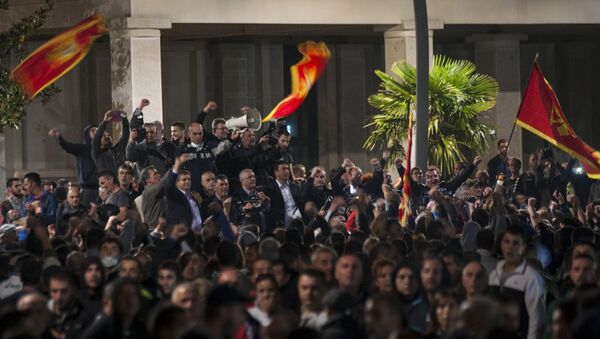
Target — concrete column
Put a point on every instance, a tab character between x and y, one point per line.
136	64
401	44
498	55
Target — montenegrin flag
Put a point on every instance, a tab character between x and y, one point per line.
541	114
304	75
58	56
404	208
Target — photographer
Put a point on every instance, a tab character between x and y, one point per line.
251	203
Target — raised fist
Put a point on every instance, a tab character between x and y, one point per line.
54	133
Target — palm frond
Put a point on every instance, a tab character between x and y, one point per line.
458	95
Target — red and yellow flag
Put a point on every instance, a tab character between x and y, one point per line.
304	76
541	114
404	208
58	55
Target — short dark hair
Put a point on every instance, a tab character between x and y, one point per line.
517	162
278	163
516	230
222	177
314	273
10	181
184	172
217	121
60	276
169	265
501	141
283	132
145	174
127	168
581	256
33	177
266	276
114	240
106	173
485	239
178	124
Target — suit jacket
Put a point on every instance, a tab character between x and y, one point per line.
178	206
276	214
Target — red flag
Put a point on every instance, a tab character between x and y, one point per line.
304	76
404	208
541	114
58	55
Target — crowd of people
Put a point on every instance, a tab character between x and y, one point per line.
218	233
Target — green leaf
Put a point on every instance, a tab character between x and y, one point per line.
458	95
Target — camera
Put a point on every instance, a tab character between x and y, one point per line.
141	129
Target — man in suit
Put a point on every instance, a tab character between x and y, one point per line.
183	205
285	197
315	188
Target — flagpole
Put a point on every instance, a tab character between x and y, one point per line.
512	131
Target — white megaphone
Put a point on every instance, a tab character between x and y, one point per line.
252	120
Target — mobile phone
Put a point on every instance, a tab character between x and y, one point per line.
116	115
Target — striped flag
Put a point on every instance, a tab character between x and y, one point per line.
404	208
58	55
304	75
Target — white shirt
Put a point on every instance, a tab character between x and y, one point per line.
291	210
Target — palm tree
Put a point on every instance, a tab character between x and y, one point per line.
457	95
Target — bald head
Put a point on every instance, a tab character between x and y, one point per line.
195	132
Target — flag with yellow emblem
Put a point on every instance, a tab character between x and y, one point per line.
58	55
541	114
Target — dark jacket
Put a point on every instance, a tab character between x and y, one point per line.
342	327
63	213
86	168
495	166
256	216
178	207
317	196
276	214
145	154
204	161
112	157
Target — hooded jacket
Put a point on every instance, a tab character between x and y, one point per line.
113	156
86	168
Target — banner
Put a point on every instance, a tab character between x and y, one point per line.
304	75
541	114
58	56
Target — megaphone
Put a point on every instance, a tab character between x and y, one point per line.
252	120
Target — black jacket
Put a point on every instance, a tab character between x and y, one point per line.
114	156
145	154
317	196
276	214
86	168
178	207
